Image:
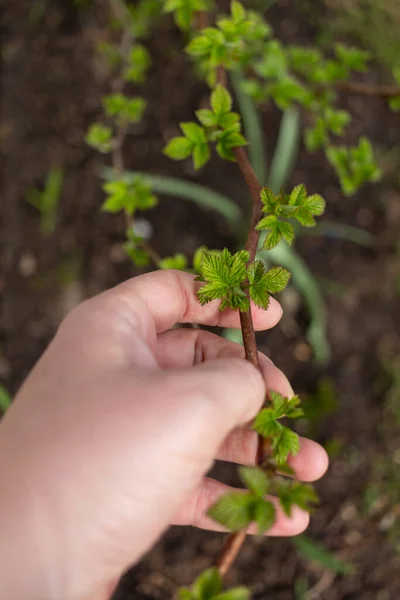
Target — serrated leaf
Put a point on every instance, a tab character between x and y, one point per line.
285	443
292	493
221	101
266	424
194	132
268	199
315	204
287	232
268	222
206	117
298	195
264	515
201	155
285	407
276	279
207	585
233	511
255	480
179	148
272	239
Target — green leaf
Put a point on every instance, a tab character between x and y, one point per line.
179	148
266	424
224	274
292	493
221	101
206	117
298	196
186	594
287	232
99	137
201	155
285	407
199	46
138	256
264	515
394	104
285	443
178	261
138	63
5	399
207	585
276	279
128	110
233	510
238	12
269	200
239	593
318	554
128	196
195	133
255	480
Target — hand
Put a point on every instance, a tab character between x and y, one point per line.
109	440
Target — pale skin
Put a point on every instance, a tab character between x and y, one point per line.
110	438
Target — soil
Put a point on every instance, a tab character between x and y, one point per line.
52	82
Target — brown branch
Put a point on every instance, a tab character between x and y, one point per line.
365	89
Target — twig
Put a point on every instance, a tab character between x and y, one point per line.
365	89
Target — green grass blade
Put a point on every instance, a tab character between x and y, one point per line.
187	190
286	149
253	128
339	232
305	282
317	553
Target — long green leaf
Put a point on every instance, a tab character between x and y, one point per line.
339	232
286	149
187	190
252	127
317	553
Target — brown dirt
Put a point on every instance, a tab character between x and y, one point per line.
51	85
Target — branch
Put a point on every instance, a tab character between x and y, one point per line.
365	89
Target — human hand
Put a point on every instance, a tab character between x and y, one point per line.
110	438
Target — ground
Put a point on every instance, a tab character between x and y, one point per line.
51	87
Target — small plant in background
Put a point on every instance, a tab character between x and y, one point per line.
238	46
46	201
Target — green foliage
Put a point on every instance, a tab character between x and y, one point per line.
283	441
128	196
229	278
133	247
126	110
354	165
237	510
319	555
208	586
138	62
297	205
218	124
185	10
294	493
99	137
46	200
5	399
178	261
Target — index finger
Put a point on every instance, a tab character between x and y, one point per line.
170	297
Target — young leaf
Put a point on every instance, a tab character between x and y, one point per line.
221	101
206	117
295	493
266	424
285	443
178	261
194	132
99	137
201	155
224	274
285	407
239	593
255	480
264	515
179	148
276	279
238	12
233	511
207	585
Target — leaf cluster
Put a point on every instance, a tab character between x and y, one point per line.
184	11
279	208
126	110
283	441
229	278
237	510
128	196
354	165
208	586
218	124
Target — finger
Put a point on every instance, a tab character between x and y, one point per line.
194	512
182	348
170	297
309	464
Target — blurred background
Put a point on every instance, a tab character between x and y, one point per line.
339	339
